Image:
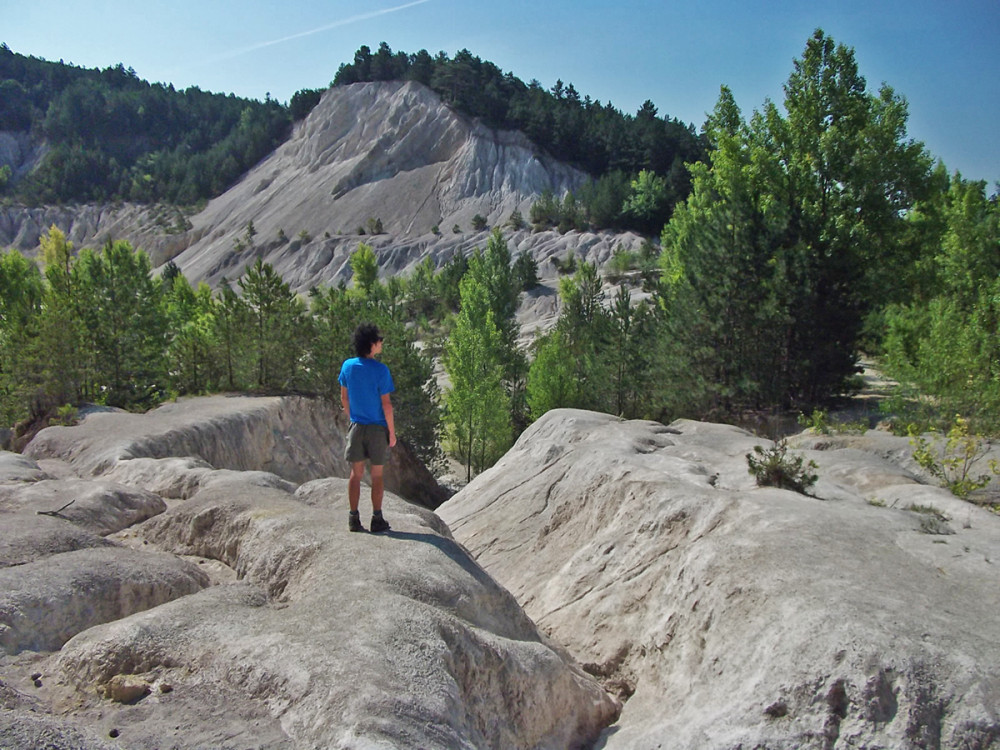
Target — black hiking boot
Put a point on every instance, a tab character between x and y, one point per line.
379	524
354	522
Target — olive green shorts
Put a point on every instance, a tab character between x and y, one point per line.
367	441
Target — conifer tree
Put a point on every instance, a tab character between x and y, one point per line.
125	325
279	326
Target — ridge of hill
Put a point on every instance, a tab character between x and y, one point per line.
388	152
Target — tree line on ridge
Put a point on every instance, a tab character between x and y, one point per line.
813	232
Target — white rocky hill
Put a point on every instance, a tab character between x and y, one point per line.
728	615
392	152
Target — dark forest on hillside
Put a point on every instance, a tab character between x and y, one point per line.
112	136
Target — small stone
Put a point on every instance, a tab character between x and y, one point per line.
113	733
166	687
36	675
777	709
37	682
123	688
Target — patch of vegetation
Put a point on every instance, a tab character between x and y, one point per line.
112	136
774	467
952	459
932	520
66	415
819	423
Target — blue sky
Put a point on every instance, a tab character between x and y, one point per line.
943	57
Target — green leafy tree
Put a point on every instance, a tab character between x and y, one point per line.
552	381
724	292
573	365
648	204
774	263
191	328
945	340
59	351
21	294
278	318
364	265
525	271
477	406
125	325
233	337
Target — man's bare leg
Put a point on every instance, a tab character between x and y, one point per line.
377	488
354	484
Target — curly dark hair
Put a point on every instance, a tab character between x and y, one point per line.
365	336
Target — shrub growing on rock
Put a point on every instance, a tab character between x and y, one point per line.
773	467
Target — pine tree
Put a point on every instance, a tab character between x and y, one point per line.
125	325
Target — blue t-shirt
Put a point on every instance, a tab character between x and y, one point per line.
366	380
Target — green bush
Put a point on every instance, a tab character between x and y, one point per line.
773	467
952	463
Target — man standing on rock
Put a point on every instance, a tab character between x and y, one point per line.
365	385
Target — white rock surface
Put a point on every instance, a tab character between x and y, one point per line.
175	448
736	616
317	637
44	603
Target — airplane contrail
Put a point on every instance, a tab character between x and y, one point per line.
318	30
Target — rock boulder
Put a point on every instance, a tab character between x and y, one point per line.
730	615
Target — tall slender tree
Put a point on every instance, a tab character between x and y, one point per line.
279	325
477	405
122	309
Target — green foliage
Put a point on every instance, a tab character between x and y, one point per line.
944	341
303	102
479	222
125	326
817	422
21	293
647	205
612	201
191	344
622	261
953	462
773	263
516	221
773	467
279	328
477	406
597	357
231	334
525	271
112	136
66	415
364	265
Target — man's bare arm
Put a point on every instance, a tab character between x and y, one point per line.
387	408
